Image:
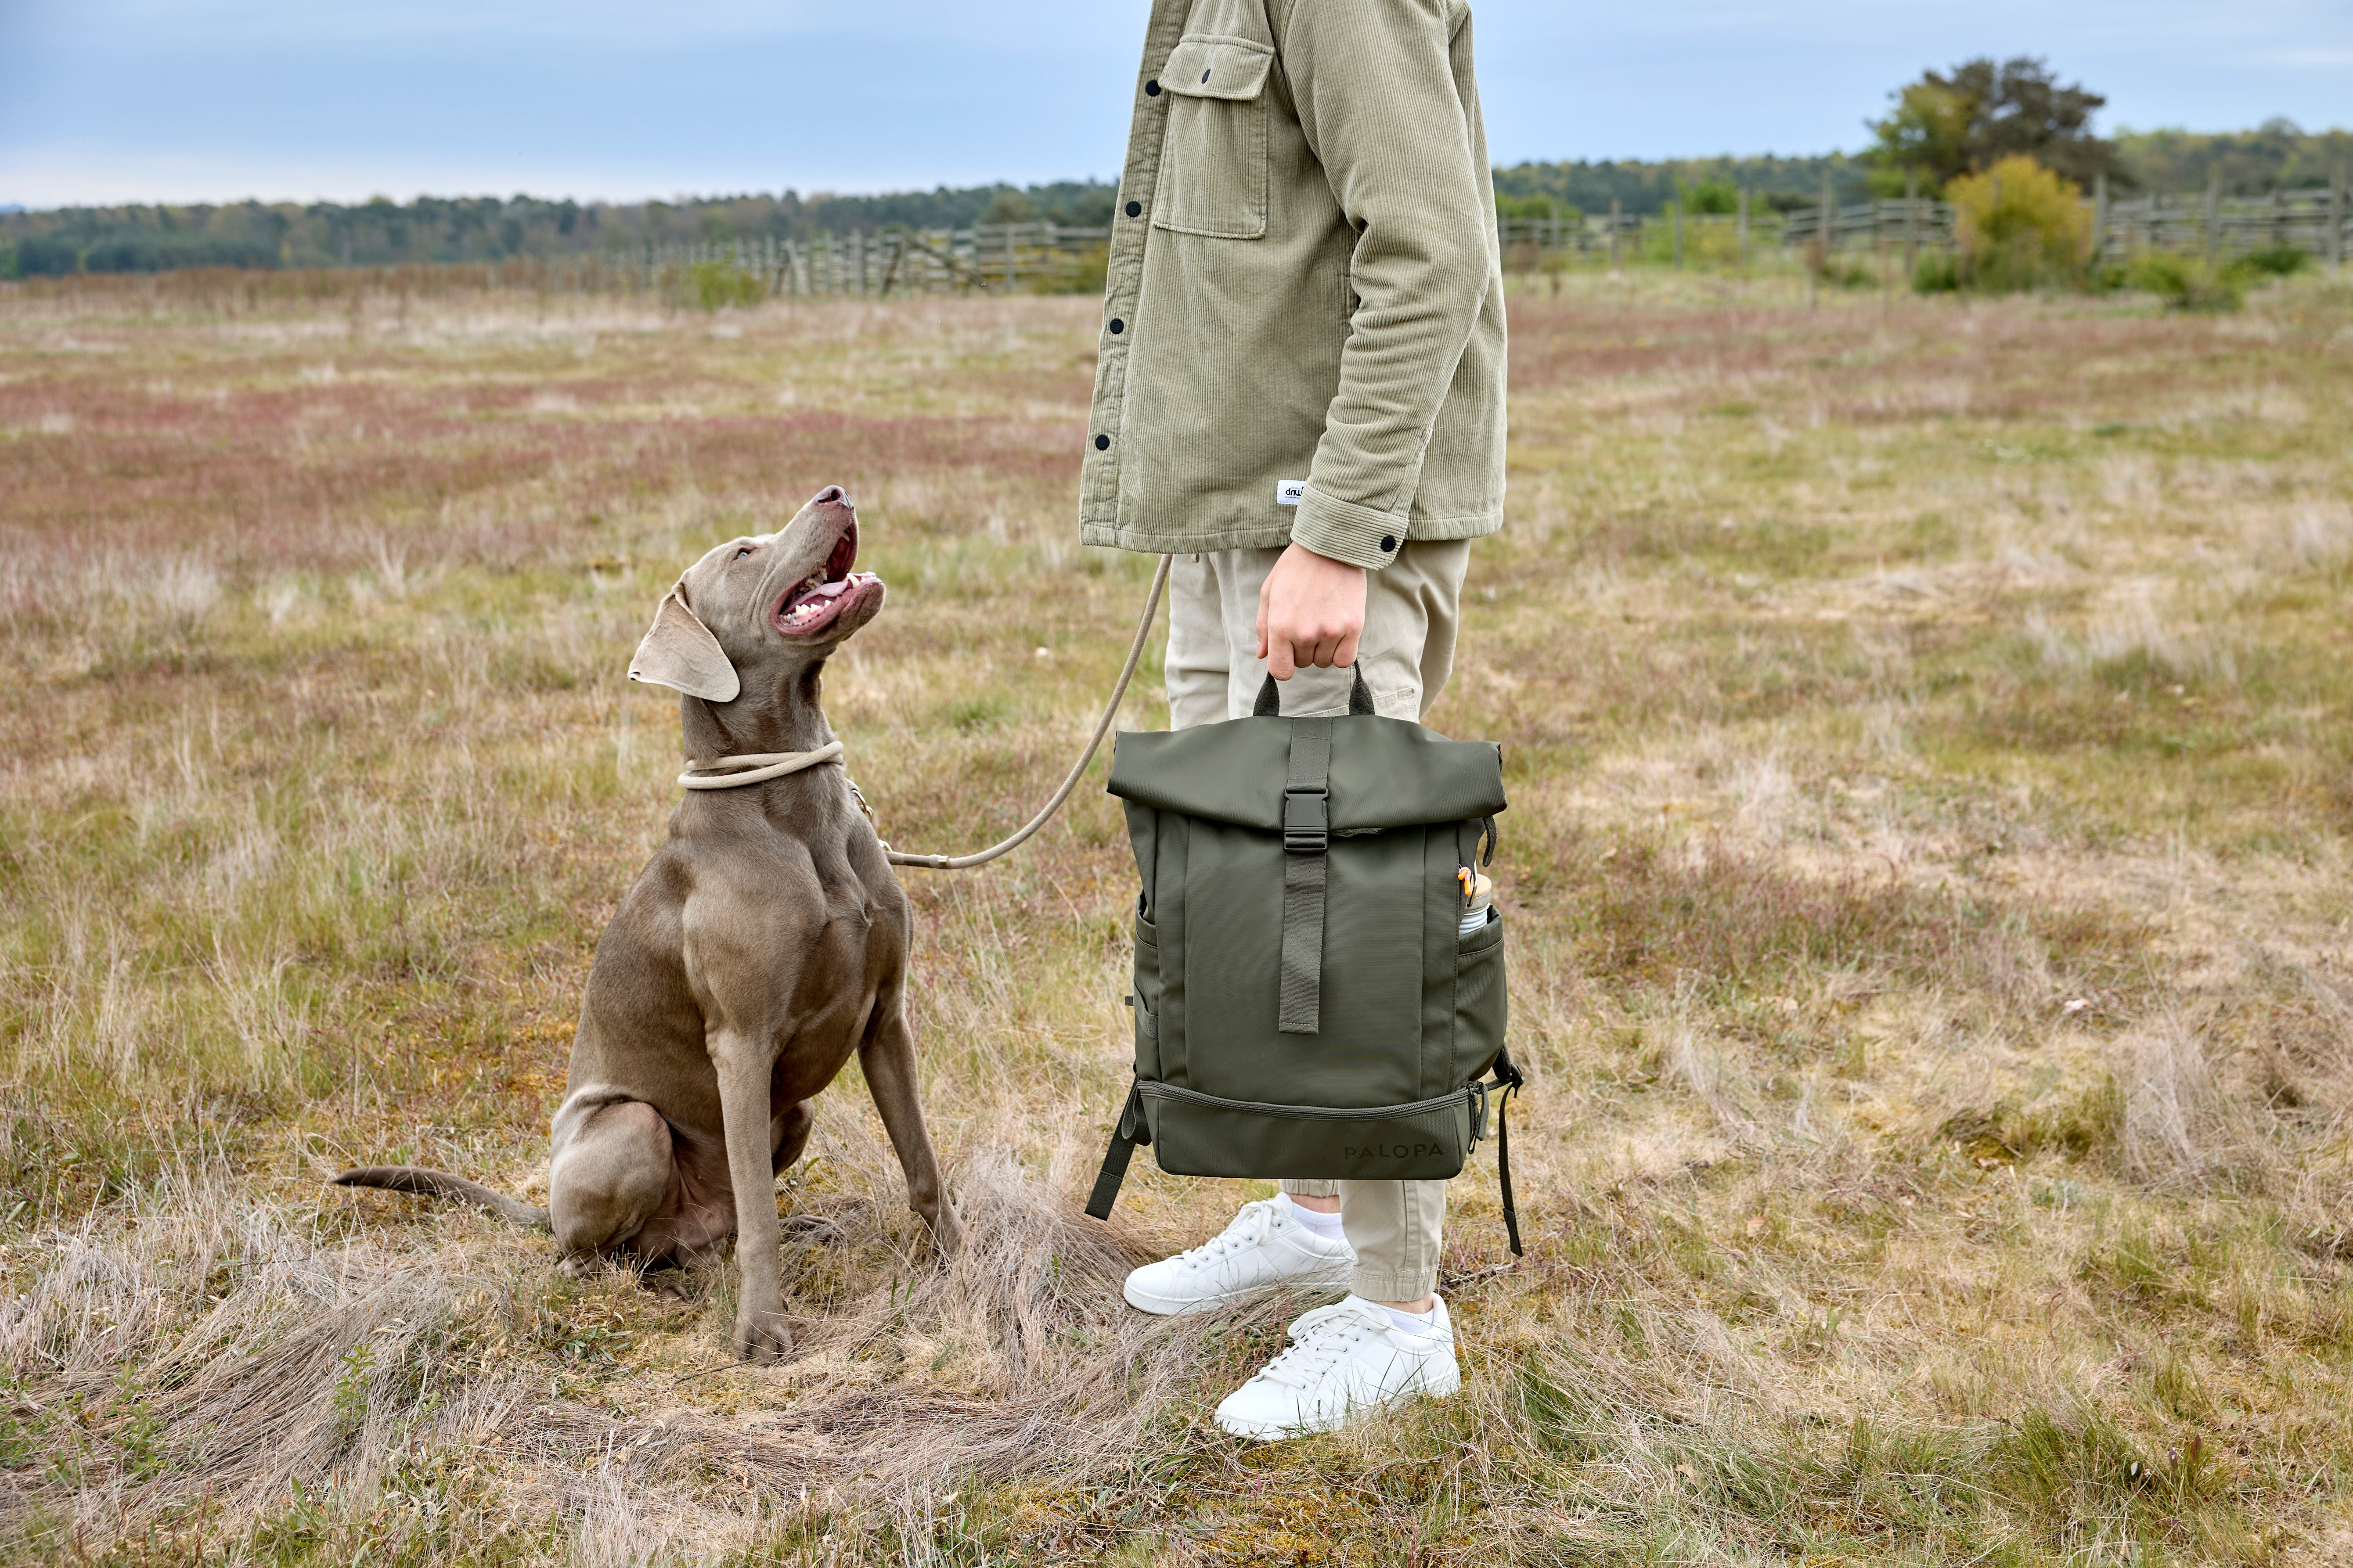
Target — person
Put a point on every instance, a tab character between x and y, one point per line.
1299	395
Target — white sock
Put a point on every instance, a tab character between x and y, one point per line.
1327	1226
1414	1322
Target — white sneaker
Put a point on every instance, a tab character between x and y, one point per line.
1263	1247
1343	1360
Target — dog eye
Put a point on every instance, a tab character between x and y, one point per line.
746	549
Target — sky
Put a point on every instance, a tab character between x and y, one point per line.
116	100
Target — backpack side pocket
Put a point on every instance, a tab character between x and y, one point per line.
1481	1006
1146	997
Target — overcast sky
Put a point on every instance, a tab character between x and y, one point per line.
105	101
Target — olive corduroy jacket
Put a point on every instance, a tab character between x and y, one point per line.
1303	334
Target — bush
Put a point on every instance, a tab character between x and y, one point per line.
710	285
1088	273
2273	261
2019	226
1537	207
1937	273
1719	197
2184	283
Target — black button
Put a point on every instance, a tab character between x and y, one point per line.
1103	443
1134	209
1388	543
1117	326
1152	89
1205	76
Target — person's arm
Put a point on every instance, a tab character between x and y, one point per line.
1374	83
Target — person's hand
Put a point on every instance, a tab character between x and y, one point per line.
1311	611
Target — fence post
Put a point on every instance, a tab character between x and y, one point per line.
1676	216
1744	231
2099	216
1829	222
1912	223
1615	265
2336	218
2213	218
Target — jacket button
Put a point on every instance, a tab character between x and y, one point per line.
1117	326
1152	89
1388	543
1103	443
1205	76
1134	209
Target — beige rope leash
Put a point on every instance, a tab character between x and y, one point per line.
758	767
1102	726
762	765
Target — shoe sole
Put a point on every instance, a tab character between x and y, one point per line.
1172	1307
1440	1385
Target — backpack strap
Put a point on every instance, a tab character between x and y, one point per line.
1508	1081
1306	836
1131	1130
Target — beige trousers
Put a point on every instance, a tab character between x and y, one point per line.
1412	608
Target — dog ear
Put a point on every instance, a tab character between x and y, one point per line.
679	652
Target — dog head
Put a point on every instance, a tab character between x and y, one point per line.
759	611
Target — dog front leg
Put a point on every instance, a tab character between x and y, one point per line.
888	1058
744	1068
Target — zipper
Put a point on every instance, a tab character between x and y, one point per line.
1302	1112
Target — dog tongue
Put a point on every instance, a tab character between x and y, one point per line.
827	590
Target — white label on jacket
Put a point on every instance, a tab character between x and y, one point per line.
1288	492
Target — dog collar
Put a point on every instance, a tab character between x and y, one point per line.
752	767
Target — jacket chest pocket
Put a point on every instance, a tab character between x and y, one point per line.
1213	159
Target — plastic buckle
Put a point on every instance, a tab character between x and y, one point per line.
1306	821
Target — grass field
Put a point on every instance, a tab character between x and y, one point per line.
1928	727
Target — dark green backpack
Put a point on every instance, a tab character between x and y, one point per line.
1310	1000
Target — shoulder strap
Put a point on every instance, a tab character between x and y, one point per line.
1130	1130
1508	1081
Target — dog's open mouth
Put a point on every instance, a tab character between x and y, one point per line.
818	600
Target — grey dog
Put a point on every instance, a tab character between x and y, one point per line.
764	944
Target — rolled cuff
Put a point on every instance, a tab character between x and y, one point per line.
1343	530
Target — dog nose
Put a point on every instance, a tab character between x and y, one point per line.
833	493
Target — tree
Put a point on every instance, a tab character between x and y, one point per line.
1946	125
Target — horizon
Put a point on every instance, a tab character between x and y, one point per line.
162	101
817	194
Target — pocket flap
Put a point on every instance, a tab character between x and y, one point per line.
1210	66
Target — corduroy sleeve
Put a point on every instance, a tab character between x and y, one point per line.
1377	98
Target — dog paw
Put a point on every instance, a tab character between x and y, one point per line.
761	1338
947	1232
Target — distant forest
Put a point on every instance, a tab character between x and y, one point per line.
2278	155
485	228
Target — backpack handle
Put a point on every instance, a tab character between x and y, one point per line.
1269	696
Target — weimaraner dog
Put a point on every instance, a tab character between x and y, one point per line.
764	944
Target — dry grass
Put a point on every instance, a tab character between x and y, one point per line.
1927	735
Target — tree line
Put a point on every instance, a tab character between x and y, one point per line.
1947	126
382	232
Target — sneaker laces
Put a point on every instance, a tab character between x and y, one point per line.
1320	1338
1250	1228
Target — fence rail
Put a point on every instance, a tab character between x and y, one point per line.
993	257
2319	223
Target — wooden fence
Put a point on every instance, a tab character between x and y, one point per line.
993	256
2319	223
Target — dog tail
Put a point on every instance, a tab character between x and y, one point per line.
442	1184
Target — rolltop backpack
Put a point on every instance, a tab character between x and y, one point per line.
1319	974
